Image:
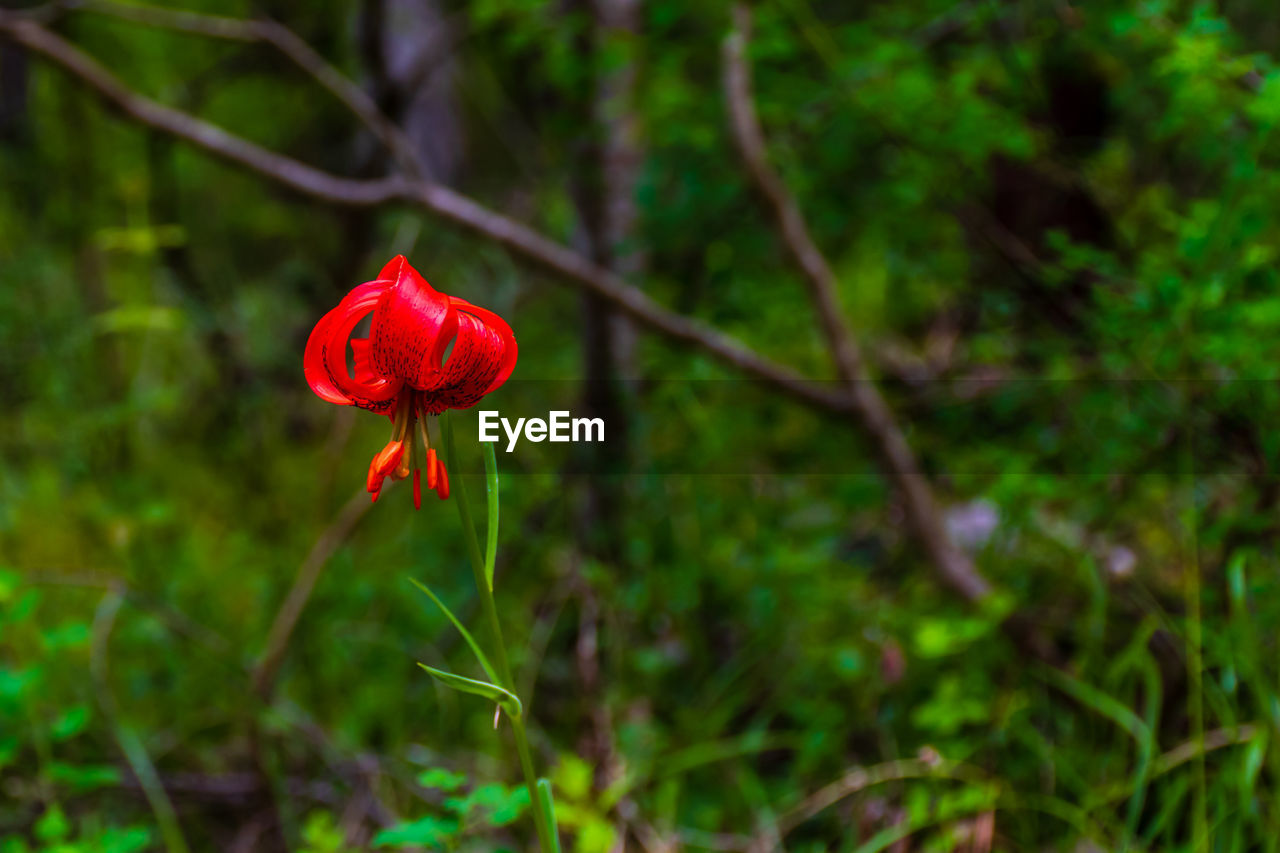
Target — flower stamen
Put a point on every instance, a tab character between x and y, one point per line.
442	480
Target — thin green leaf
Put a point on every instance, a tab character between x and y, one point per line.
491	498
1092	697
466	635
547	804
508	700
1254	757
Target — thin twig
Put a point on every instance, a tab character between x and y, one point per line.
869	407
861	778
436	199
1186	751
264	673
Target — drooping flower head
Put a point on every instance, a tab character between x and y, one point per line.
426	352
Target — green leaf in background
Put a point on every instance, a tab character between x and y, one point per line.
499	804
139	318
508	700
573	776
69	723
953	706
466	635
14	684
8	749
66	636
85	777
436	832
124	840
141	241
53	825
322	834
9	583
948	636
440	779
1254	757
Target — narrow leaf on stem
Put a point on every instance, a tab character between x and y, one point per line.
547	805
508	700
466	635
491	498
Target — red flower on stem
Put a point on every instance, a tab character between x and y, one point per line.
405	368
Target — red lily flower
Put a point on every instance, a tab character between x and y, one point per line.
401	370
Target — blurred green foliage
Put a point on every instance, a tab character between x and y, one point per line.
1056	231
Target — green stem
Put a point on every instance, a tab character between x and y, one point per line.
531	783
495	628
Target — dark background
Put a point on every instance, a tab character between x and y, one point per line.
1029	603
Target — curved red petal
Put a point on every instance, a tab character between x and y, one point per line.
484	354
325	359
393	268
355	306
503	331
409	325
313	362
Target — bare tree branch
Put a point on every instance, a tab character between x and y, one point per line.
869	407
202	134
433	198
791	224
288	43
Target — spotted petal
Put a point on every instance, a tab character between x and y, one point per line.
483	356
411	328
